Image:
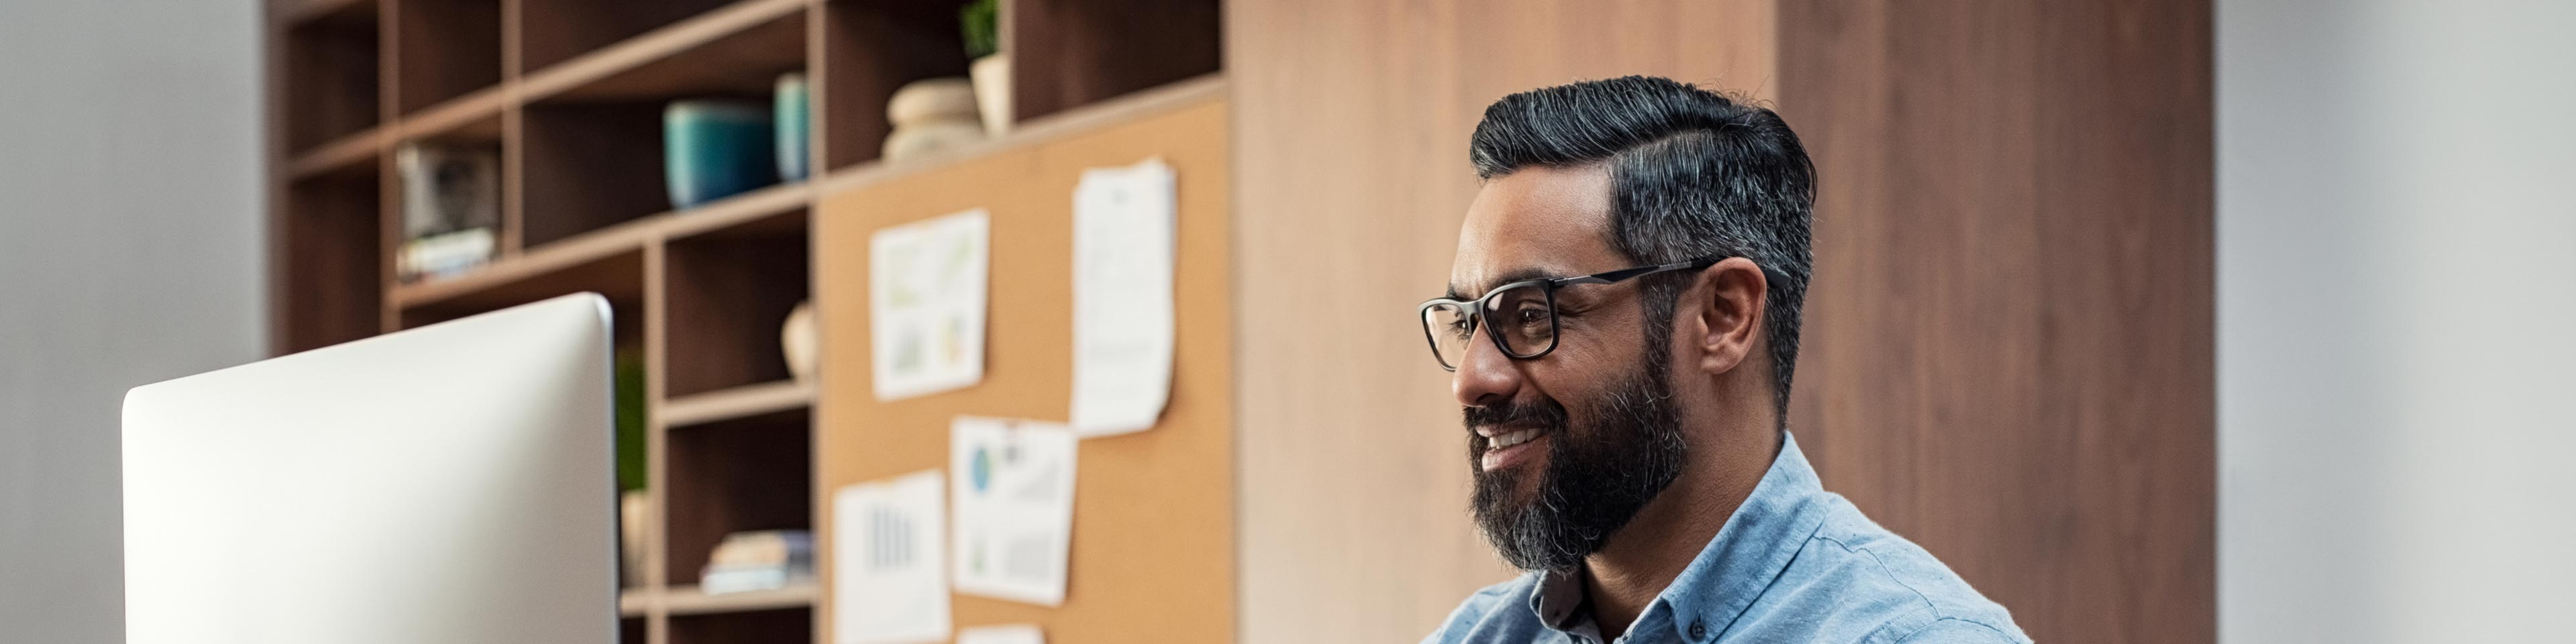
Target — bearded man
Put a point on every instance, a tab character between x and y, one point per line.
1622	321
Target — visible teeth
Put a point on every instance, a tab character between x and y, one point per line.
1514	438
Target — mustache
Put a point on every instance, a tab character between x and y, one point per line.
1543	413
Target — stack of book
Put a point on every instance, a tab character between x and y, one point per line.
761	560
451	207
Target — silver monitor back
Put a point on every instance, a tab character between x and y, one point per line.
451	483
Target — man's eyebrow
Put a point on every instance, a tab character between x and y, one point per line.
1507	277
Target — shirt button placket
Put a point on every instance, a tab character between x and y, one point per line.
1698	630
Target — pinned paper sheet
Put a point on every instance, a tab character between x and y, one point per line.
926	301
1012	634
1123	245
888	582
1014	507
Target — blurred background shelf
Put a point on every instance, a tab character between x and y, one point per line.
571	94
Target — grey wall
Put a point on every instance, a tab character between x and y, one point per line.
130	236
2396	320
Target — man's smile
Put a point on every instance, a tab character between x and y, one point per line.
1506	446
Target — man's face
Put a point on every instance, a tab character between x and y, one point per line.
1587	433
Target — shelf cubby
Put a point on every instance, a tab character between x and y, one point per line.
775	625
592	142
331	238
872	48
483	130
727	294
751	473
739	51
331	75
588	166
631	630
553	31
444	50
1070	53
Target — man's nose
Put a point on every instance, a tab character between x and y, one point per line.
1485	376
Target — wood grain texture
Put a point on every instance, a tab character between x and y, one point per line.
1352	129
2008	350
1153	544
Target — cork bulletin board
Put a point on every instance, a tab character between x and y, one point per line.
1153	547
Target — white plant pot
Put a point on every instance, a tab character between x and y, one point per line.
992	76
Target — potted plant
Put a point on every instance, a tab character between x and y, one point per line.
982	23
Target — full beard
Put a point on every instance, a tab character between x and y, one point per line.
1601	470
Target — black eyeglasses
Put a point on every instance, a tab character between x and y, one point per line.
1520	316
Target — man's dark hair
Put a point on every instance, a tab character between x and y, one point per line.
1694	174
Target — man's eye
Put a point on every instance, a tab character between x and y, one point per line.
1532	316
1462	327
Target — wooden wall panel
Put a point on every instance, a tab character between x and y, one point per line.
1153	543
2009	347
1352	126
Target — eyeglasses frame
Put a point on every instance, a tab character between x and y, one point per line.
1476	308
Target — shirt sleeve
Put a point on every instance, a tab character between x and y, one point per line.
1960	631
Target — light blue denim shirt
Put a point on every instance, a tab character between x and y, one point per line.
1795	564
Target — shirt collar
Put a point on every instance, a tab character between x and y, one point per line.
1757	543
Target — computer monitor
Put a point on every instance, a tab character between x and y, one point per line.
450	483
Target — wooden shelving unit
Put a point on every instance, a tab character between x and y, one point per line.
571	91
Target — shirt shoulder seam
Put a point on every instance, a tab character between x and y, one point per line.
1935	607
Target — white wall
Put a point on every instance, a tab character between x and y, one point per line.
130	236
2396	320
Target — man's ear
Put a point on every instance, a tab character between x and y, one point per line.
1724	307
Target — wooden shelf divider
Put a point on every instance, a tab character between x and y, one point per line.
738	402
635	602
457	113
687	600
343	153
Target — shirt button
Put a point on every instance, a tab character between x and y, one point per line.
1698	630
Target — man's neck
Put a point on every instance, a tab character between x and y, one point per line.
1645	555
